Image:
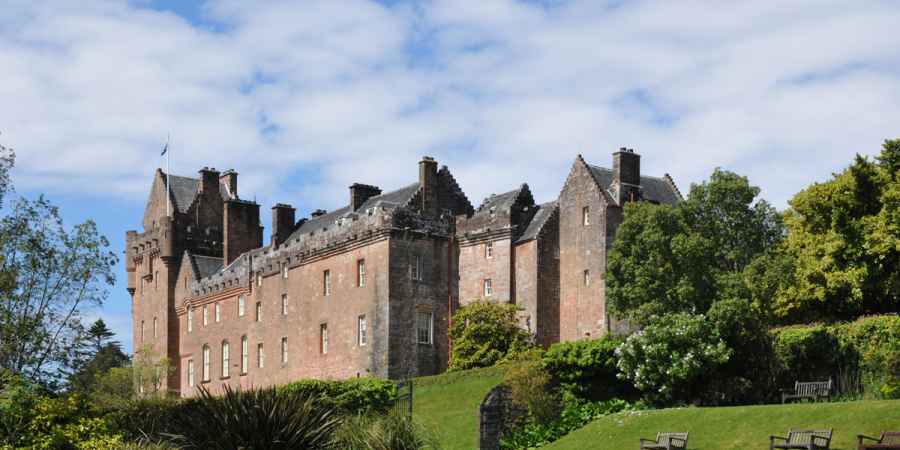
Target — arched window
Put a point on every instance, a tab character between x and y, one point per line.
224	359
205	362
245	350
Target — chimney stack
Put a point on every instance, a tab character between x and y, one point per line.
428	182
359	193
229	179
318	212
209	179
627	175
282	223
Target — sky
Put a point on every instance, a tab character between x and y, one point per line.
304	98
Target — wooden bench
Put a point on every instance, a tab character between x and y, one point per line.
888	439
807	389
802	440
665	441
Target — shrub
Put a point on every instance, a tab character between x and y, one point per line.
530	388
747	376
384	432
575	415
146	419
261	419
668	361
353	396
486	333
586	369
814	353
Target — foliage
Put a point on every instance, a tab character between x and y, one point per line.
384	432
150	369
669	359
485	333
48	276
146	419
586	369
261	419
7	160
97	353
112	389
747	375
531	387
356	396
845	239
575	415
683	258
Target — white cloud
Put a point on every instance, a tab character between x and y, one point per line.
504	92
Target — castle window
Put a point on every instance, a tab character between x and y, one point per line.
205	362
284	304
218	312
241	305
424	327
142	331
489	250
155	334
323	338
156	280
587	277
326	282
415	269
361	329
225	359
284	351
258	311
488	287
245	350
586	216
361	273
191	372
260	356
190	318
205	315
284	270
259	278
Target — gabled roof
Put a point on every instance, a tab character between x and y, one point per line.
205	266
543	214
502	202
660	190
184	191
389	200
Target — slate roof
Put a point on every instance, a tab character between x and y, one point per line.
389	200
656	189
205	266
184	190
500	202
544	212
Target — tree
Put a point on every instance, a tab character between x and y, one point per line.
684	258
485	333
845	240
48	276
96	354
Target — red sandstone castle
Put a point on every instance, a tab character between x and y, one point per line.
367	289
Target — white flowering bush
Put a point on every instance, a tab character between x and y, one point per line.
668	360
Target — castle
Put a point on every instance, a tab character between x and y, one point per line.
368	289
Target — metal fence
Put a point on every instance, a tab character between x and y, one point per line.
404	404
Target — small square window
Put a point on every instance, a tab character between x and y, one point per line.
488	287
424	327
586	216
361	329
587	277
489	250
284	350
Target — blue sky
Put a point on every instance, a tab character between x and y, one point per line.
304	98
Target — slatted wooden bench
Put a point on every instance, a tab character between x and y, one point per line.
814	390
802	440
888	440
665	441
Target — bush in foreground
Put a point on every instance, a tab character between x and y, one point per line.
485	334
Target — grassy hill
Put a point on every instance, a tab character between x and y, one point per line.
448	404
737	428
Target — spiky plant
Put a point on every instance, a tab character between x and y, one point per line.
384	432
257	419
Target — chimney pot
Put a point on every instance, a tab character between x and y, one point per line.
359	193
282	223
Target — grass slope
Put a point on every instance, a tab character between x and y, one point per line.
737	428
448	404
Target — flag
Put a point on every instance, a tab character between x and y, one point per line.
165	149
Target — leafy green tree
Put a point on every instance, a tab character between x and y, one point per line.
747	376
845	240
485	333
684	258
97	353
670	359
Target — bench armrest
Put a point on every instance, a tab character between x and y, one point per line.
773	438
862	436
648	440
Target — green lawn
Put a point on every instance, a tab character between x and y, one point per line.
737	428
448	404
